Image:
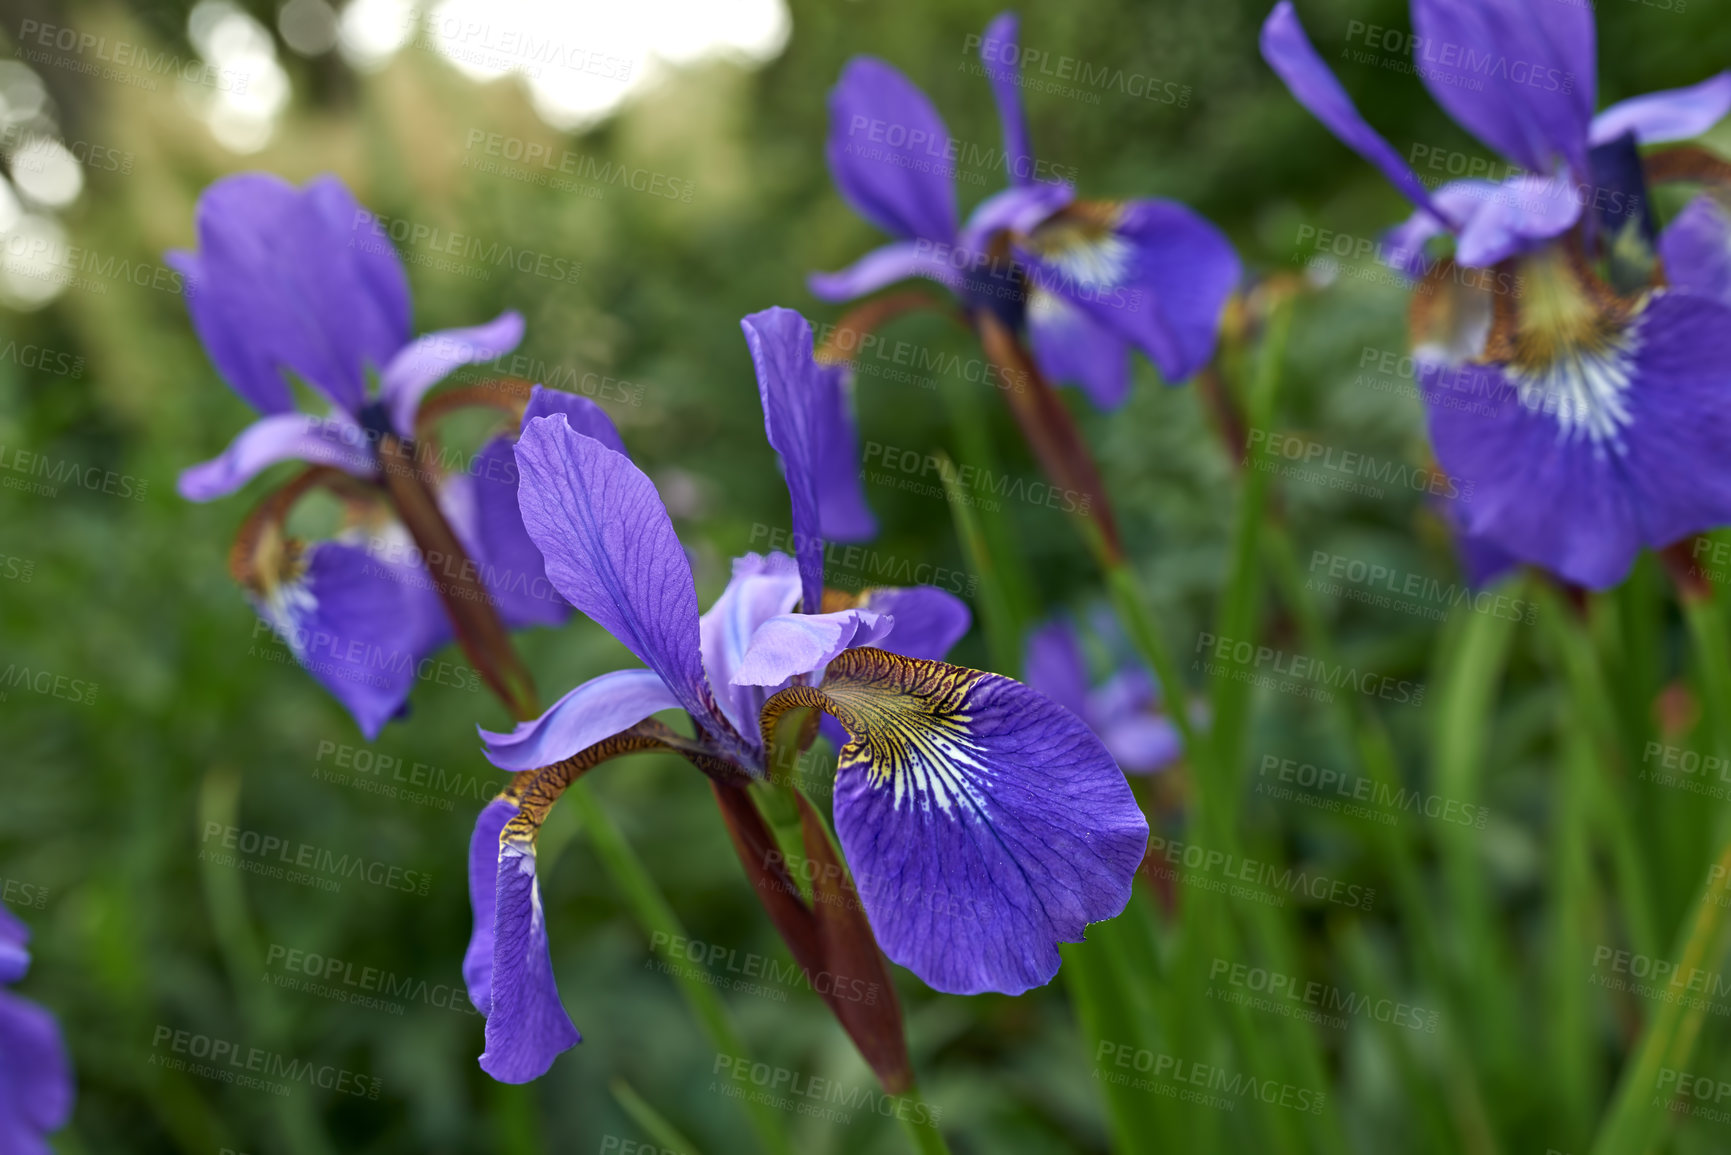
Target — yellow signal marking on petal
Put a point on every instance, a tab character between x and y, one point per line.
1082	242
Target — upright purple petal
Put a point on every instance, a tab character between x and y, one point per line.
35	1077
1072	348
427	360
1675	114
527	1027
1519	76
984	823
483	894
593	712
842	512
1056	667
1696	247
928	620
790	645
1289	53
1001	56
277	438
889	152
611	551
800	411
761	588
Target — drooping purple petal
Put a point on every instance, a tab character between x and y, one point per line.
1072	348
884	266
800	409
1151	271
1696	247
280	437
889	152
1674	114
789	645
1521	77
984	823
35	1077
1055	667
527	1027
1289	53
928	620
483	896
611	551
1001	57
302	279
593	712
1512	218
762	587
429	359
1657	474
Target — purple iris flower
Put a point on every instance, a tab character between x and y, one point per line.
1603	419
1090	280
952	782
35	1076
1123	709
304	281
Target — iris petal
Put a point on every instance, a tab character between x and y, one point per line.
1696	246
277	438
1000	55
527	1027
789	645
928	620
882	267
761	588
1056	667
594	711
1675	114
483	895
35	1077
1071	348
889	152
429	359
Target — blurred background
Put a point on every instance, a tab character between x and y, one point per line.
697	194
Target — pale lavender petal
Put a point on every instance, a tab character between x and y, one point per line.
1522	213
789	645
1519	76
761	588
884	266
1019	209
1142	743
1072	348
483	895
984	823
889	152
427	360
593	712
1674	114
527	1027
35	1077
1001	56
611	551
1056	667
928	620
280	437
1289	53
1696	246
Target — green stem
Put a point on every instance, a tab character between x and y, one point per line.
926	1136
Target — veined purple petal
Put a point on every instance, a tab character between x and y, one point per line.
582	414
1519	76
1696	247
611	551
789	645
35	1077
1072	348
1056	668
1674	114
280	437
1550	491
1512	218
1153	272
527	1027
1289	53
884	266
427	360
984	823
889	152
801	407
1002	60
483	895
292	278
593	712
761	588
928	620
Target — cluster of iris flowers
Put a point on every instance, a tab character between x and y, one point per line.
1602	344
